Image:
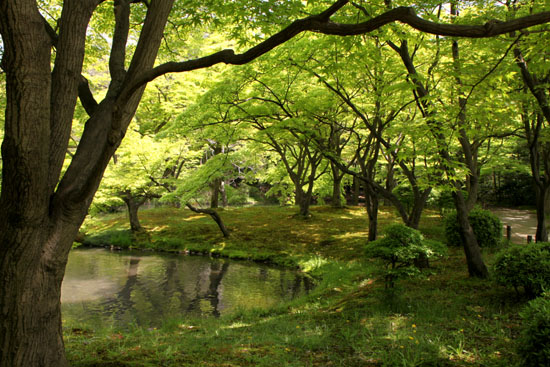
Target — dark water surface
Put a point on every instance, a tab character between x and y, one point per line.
127	287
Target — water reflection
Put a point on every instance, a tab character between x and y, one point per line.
124	288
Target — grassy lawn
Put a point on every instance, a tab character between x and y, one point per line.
442	319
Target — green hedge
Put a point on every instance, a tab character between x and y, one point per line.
487	228
534	339
526	266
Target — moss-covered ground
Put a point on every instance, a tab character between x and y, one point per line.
444	318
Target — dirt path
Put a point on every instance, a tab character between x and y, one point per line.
523	222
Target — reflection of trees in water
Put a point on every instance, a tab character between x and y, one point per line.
186	285
291	285
151	300
212	294
122	300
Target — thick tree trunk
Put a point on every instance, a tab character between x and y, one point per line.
133	205
304	206
30	308
303	199
476	266
419	203
336	200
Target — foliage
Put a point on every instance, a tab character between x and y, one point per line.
534	340
526	266
486	226
399	248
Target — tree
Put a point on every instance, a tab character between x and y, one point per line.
533	63
41	207
142	169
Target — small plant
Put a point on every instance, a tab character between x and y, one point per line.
534	339
399	248
526	266
486	226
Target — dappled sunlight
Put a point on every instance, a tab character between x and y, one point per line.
236	325
351	235
192	217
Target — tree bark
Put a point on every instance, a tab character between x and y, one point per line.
420	199
215	194
371	203
133	205
30	308
336	200
476	266
303	199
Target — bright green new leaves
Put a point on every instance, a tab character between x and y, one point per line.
399	248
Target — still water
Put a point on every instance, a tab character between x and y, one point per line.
124	288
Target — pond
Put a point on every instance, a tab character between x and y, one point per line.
140	288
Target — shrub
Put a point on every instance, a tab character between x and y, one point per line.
399	248
526	266
534	339
486	226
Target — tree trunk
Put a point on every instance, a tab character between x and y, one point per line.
371	203
215	196
133	205
336	200
355	191
476	266
304	206
541	197
223	191
415	215
30	307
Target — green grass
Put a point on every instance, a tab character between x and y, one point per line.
442	319
268	233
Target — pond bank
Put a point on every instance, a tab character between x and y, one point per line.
269	234
442	319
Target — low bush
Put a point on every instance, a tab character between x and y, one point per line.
524	266
486	226
399	249
534	339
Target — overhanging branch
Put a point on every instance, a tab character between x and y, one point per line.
321	23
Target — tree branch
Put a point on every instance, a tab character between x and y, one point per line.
320	23
214	214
